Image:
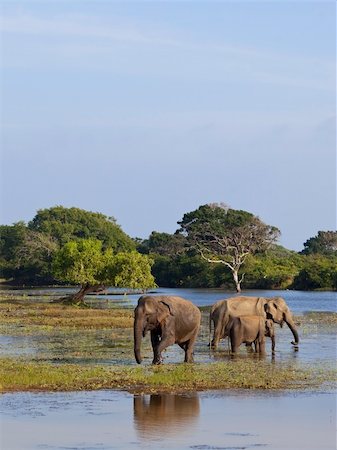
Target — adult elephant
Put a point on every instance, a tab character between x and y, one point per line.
171	320
274	308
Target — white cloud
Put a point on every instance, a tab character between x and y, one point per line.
81	36
79	26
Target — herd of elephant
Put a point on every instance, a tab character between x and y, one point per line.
174	320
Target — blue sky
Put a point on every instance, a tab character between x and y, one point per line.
146	110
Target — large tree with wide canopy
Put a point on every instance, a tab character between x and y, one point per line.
226	236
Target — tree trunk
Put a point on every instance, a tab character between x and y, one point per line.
78	297
236	281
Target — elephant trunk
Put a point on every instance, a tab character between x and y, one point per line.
289	321
137	329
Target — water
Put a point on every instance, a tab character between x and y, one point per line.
298	301
317	344
230	420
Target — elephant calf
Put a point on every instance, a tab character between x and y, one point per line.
171	320
249	329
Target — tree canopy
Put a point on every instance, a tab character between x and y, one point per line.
325	243
27	251
227	236
26	254
212	232
86	263
68	224
163	244
318	272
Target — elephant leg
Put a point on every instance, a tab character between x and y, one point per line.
189	352
190	346
165	342
235	347
184	347
155	344
234	344
257	346
273	344
262	346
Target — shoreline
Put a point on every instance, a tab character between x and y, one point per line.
257	375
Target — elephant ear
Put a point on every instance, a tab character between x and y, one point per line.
164	310
168	306
261	305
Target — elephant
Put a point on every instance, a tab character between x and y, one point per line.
248	330
164	414
271	308
171	320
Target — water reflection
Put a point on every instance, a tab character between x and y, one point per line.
162	415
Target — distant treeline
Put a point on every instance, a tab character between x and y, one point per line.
277	268
27	250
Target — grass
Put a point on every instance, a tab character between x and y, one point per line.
38	315
74	349
30	315
22	376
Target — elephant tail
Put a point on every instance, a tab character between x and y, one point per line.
210	330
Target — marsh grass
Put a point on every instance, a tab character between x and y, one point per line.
35	315
23	376
76	349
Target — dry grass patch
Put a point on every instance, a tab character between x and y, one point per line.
28	313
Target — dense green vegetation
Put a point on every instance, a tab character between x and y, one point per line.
84	262
213	246
182	259
74	246
68	224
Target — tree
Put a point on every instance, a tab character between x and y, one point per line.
27	251
319	272
325	243
25	254
86	263
131	270
69	224
11	239
163	244
226	236
274	269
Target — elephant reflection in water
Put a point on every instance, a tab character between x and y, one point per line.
155	415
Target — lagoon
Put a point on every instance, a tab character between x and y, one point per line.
231	420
